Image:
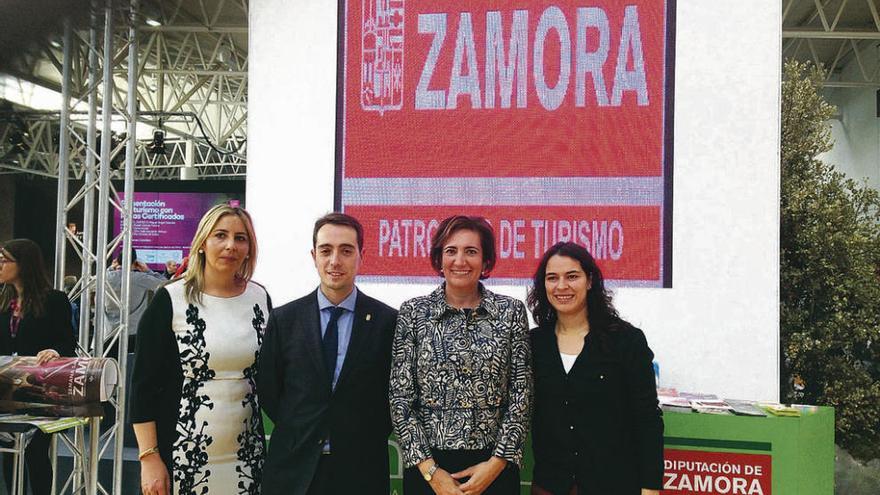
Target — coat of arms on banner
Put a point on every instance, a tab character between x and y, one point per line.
382	55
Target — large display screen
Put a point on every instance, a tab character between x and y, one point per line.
164	222
552	119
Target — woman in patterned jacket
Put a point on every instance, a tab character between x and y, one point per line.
461	379
194	405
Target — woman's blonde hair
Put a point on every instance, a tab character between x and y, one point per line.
194	277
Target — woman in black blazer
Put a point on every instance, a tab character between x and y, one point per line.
596	425
34	321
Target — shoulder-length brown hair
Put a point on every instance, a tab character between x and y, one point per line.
453	224
35	284
194	277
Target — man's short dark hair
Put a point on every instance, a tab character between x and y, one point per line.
339	219
452	225
134	256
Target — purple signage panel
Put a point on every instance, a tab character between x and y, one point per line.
164	223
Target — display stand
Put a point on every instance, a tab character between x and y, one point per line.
22	432
749	455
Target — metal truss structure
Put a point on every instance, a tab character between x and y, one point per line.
99	198
29	143
190	82
178	68
833	34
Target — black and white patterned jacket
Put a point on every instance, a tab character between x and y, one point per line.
461	379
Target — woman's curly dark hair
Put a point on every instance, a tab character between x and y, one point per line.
600	310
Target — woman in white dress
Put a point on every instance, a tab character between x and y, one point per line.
193	401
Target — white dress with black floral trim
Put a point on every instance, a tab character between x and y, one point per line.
220	445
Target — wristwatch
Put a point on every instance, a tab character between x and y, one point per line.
429	474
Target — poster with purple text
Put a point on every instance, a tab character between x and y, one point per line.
164	223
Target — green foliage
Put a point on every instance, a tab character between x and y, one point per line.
830	272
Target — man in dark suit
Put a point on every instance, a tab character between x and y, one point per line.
323	377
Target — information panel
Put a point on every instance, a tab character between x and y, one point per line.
164	223
553	119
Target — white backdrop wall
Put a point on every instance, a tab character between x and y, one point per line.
856	127
717	329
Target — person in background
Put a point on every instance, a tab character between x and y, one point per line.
181	269
596	427
69	284
143	284
461	377
194	406
323	377
35	320
170	269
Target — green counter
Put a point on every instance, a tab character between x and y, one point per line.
798	451
707	454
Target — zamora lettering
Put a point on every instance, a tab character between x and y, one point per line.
80	378
711	484
505	72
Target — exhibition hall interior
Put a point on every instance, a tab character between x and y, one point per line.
719	162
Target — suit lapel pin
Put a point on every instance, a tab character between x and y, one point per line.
369	316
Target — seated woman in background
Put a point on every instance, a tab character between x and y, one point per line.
596	427
34	321
461	379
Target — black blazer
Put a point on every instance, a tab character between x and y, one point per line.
157	375
599	425
52	330
294	391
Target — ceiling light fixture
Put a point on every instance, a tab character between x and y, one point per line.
157	147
